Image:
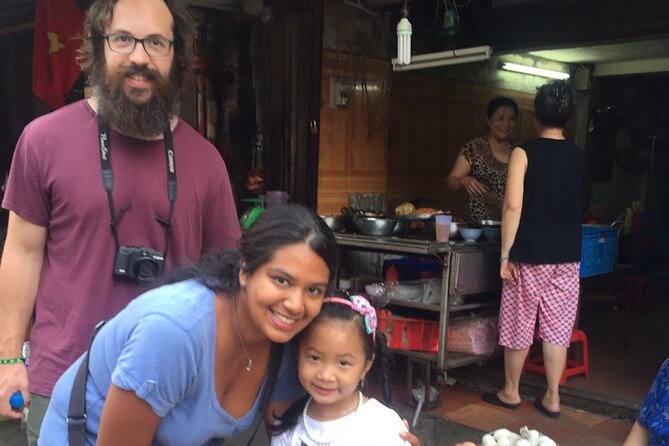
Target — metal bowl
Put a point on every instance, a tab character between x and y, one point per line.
375	226
336	222
402	226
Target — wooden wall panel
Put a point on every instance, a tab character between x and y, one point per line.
354	138
431	119
403	140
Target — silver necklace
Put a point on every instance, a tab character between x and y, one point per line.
250	363
306	426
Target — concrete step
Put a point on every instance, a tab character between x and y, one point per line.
488	379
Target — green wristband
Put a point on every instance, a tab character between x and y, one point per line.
11	361
501	259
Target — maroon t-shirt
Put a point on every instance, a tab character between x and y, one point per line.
55	182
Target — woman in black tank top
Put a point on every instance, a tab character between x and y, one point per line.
541	248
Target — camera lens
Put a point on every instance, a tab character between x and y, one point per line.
146	269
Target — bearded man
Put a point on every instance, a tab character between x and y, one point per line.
121	156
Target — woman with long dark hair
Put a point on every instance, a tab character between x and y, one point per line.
187	362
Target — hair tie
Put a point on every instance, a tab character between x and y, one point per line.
362	306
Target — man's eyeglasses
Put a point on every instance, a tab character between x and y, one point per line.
125	44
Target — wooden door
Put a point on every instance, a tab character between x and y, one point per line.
292	40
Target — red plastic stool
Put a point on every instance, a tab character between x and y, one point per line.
577	366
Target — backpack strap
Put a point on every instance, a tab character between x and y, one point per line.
275	356
76	412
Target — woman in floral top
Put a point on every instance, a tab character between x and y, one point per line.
652	426
480	167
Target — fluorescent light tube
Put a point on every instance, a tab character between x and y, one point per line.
458	56
534	70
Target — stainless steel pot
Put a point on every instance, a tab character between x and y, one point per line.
375	226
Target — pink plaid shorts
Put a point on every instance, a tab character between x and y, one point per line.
547	291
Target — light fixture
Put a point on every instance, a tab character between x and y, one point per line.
404	37
534	70
452	57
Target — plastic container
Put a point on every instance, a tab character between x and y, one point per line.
392	274
598	250
442	227
275	198
404	333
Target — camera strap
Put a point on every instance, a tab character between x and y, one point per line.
108	182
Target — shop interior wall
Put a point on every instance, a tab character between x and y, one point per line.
399	134
353	146
431	119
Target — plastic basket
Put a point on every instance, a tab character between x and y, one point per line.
598	250
404	333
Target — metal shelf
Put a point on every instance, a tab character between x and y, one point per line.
416	305
393	244
437	308
468	269
453	359
475	306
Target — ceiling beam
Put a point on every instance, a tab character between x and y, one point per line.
631	67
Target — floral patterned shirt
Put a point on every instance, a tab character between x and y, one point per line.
490	172
654	414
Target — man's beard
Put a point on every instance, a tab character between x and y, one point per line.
143	120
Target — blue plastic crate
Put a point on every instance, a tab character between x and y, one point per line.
598	250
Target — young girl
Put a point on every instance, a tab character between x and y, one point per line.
335	352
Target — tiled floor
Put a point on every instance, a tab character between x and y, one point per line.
464	406
615	371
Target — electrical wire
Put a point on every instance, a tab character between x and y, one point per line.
361	7
456	5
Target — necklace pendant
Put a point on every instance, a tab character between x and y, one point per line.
249	365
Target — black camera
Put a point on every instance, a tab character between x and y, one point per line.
138	264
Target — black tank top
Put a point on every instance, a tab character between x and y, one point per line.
550	223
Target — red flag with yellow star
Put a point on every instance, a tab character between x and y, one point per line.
58	23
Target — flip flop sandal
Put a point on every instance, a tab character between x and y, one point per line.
549	413
492	398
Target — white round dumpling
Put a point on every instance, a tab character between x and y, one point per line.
488	440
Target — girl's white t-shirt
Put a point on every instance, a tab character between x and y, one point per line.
372	425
